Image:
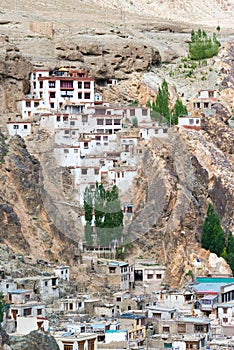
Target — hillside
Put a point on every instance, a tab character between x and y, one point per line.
136	43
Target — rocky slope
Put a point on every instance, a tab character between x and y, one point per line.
25	226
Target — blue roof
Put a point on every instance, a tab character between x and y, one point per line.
132	316
224	280
117	263
208	287
195	320
19	291
116	331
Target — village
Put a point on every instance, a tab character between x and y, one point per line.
101	143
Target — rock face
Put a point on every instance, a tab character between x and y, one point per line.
109	56
35	340
14	73
24	223
179	176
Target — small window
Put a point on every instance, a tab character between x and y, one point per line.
66	150
100	122
52	94
58	118
79	84
66	132
39	311
105	138
28	104
150	276
84	171
41	84
96	171
15	126
46	283
72	123
159	276
191	121
98	138
84	118
80	95
197	121
86	145
87	96
52	105
75	150
25	126
51	84
87	85
108	121
166	329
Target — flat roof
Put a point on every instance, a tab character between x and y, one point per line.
223	280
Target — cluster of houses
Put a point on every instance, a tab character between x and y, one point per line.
136	311
102	143
97	141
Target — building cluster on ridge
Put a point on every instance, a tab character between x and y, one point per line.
133	309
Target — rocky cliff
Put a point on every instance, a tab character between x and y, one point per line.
25	226
34	341
179	176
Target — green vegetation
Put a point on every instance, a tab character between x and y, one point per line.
160	108
134	122
106	207
2	306
202	46
213	237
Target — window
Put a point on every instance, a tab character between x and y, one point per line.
41	84
198	328
64	84
66	132
118	299
206	105
79	84
181	328
28	104
51	84
98	138
108	121
58	118
158	276
98	143
144	111
15	126
72	123
52	94
65	119
80	95
87	85
75	150
27	312
39	311
166	329
197	121
86	145
73	132
150	276
132	112
96	171
25	126
105	138
66	150
112	269
100	122
46	283
191	121
84	171
117	121
36	104
68	346
87	96
84	118
52	105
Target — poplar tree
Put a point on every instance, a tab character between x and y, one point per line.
213	237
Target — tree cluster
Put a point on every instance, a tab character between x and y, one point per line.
160	108
213	237
202	46
106	208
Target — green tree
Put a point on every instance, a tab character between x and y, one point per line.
134	122
201	46
179	109
213	237
88	205
161	105
2	306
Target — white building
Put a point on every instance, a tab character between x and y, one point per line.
62	272
190	122
20	128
